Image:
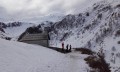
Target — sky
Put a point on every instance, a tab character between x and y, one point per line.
19	9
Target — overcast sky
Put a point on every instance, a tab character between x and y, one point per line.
32	8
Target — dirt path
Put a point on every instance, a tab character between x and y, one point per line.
77	63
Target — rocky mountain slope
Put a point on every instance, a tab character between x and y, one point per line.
97	28
92	26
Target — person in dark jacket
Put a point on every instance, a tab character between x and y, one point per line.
70	48
67	47
63	46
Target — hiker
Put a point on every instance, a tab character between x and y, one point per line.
63	46
67	47
70	48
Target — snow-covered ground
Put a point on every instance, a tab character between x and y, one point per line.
22	57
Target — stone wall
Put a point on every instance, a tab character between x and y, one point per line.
39	42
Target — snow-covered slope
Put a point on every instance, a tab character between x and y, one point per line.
21	57
14	31
112	52
78	30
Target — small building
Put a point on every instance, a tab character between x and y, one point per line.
37	38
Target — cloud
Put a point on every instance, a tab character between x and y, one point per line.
32	8
3	12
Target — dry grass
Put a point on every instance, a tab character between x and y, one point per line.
84	51
98	63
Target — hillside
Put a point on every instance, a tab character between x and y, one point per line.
101	20
21	57
98	27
